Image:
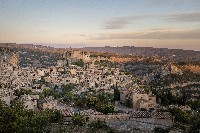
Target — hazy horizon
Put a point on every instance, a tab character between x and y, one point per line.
173	24
82	46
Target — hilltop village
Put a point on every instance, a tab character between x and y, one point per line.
87	88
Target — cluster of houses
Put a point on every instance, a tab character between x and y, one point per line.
91	76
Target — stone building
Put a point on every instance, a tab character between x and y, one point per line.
139	98
77	54
30	101
143	101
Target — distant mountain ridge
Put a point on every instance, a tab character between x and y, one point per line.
164	53
172	54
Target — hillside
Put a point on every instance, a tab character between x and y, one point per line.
170	54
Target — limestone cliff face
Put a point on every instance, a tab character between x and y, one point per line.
14	60
175	70
119	59
193	68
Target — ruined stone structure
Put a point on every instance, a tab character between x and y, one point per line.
77	54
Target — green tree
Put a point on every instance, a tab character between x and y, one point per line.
116	94
92	101
20	92
68	87
194	104
182	118
105	108
79	63
7	119
195	123
128	102
32	121
101	126
78	120
105	97
80	101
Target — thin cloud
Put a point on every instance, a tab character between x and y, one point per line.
79	35
185	34
122	22
185	17
167	3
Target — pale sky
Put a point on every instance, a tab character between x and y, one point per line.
81	23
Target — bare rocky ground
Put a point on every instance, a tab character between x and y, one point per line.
130	127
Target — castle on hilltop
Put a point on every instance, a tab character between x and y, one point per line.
78	54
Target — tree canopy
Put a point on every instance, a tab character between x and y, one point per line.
17	119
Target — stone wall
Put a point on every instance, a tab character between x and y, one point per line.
141	120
